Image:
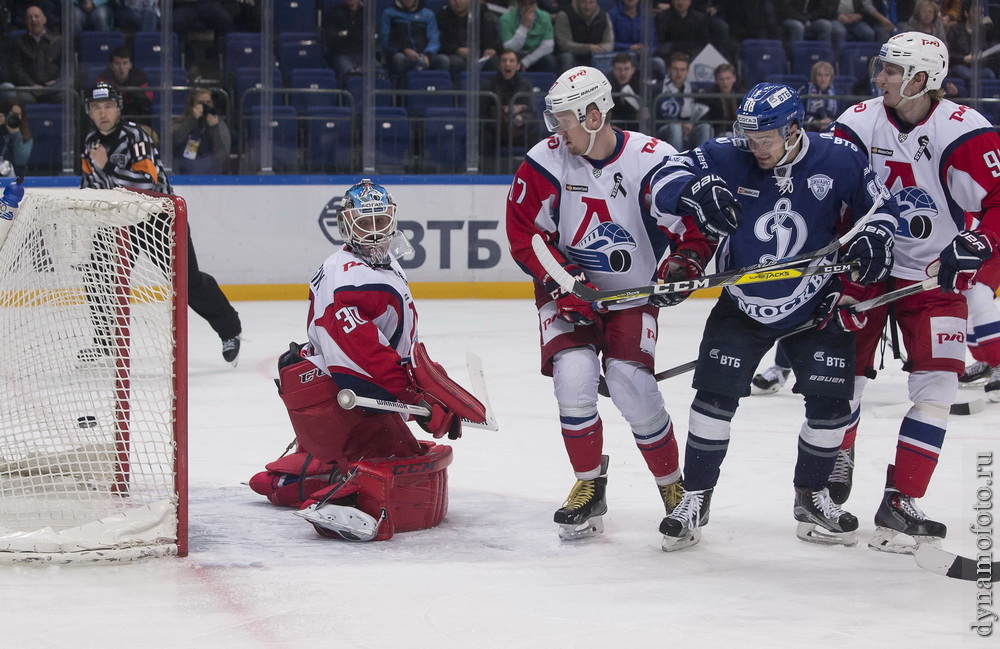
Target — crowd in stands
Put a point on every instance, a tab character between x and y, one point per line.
814	45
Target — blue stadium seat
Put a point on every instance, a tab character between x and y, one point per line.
242	50
963	90
990	89
794	80
178	97
435	86
147	50
761	58
444	137
354	86
249	78
806	54
95	47
294	16
330	131
854	58
284	128
300	51
312	79
46	131
540	84
392	140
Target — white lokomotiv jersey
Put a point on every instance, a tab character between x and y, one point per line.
597	214
938	170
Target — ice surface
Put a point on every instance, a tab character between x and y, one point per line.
494	574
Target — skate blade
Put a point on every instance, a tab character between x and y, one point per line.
888	540
674	543
812	533
349	523
590	527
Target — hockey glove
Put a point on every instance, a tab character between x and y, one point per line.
835	311
962	259
710	203
873	248
683	264
441	421
568	306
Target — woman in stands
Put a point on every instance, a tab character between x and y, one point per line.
15	140
200	137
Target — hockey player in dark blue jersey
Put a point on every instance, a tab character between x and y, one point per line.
796	189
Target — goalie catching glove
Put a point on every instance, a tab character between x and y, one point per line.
835	312
683	264
448	402
710	203
962	259
568	306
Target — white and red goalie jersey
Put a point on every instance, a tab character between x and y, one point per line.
947	165
362	326
597	215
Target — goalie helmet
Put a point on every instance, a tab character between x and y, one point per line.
769	106
102	92
367	222
914	52
574	90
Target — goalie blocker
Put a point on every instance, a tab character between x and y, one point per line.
361	475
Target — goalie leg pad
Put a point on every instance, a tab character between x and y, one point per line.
432	379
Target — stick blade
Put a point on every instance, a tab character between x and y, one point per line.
969	407
951	565
478	379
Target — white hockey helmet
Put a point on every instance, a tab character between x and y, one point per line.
574	90
914	52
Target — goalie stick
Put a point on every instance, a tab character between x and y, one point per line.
955	566
763	272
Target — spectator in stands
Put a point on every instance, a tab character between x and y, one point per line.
749	18
812	20
344	37
528	30
51	8
951	11
515	112
926	18
15	142
863	21
960	44
581	31
411	39
626	89
200	16
137	15
718	27
821	107
626	24
681	29
137	105
684	130
201	139
36	59
722	110
95	15
453	21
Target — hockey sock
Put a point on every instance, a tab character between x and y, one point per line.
917	451
852	431
583	436
707	440
658	445
814	465
820	439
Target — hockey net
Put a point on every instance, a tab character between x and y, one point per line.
93	362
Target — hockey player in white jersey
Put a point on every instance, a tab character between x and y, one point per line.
585	190
793	187
940	160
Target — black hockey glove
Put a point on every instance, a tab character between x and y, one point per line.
683	264
568	306
710	203
962	259
873	248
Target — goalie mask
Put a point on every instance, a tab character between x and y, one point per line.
367	222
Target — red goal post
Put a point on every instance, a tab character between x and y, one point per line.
93	353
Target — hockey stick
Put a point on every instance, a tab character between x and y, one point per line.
763	272
478	380
349	400
955	566
892	296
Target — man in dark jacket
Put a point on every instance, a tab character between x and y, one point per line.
512	116
137	105
411	39
344	37
453	22
36	59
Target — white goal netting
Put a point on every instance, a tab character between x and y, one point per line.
91	444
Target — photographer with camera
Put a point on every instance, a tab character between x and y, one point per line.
201	140
15	138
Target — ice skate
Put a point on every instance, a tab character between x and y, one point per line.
580	516
975	375
770	380
898	516
842	476
821	520
348	523
682	528
671	494
993	385
231	350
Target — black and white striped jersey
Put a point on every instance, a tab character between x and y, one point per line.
133	161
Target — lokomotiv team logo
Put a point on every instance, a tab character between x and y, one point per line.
608	248
917	212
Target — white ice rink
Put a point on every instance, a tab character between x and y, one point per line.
494	574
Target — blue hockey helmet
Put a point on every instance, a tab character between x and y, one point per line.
769	106
367	222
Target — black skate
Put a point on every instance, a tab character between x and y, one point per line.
672	494
580	516
231	350
842	476
770	380
975	375
821	520
682	528
898	515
